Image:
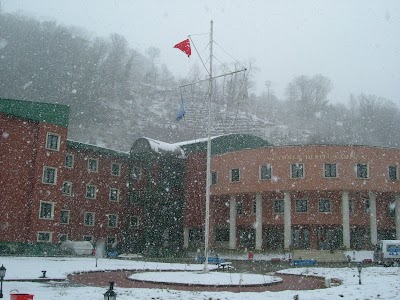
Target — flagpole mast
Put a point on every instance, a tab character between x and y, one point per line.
208	175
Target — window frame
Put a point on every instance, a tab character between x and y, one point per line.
95	191
109	219
111	193
295	171
66	183
90	170
359	172
134	225
57	148
44	241
232	174
62	235
119	169
239	207
281	205
72	161
396	167
297	207
137	172
41	217
330	170
329	201
214	178
86	213
269	171
69	216
47	168
111	237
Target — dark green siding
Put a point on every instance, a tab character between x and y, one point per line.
56	114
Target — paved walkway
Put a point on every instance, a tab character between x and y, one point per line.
290	282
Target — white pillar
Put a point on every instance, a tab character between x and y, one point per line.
232	223
287	231
259	224
185	237
372	218
346	219
397	212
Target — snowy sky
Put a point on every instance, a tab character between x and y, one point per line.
354	43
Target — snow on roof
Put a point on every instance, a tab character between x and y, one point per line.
158	146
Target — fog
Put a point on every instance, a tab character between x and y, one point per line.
354	43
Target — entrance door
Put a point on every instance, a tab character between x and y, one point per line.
329	238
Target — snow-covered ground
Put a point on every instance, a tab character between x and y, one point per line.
377	282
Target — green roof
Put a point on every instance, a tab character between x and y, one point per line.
57	114
99	150
226	143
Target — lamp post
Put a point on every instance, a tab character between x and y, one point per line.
110	294
2	274
359	268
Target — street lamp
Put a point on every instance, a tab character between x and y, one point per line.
359	268
110	294
2	274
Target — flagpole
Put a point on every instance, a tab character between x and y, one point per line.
208	175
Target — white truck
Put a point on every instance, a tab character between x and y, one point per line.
387	253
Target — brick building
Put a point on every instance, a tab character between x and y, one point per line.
152	199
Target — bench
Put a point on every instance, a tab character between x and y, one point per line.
304	262
220	262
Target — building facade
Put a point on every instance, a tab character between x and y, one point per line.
152	199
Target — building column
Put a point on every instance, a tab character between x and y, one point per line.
259	221
397	212
346	219
372	218
287	231
232	223
185	237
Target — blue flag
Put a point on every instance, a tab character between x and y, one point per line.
181	113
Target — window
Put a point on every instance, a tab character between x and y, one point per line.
214	177
111	239
222	235
112	221
46	210
297	170
301	205
265	172
239	207
44	236
91	191
393	173
53	141
324	205
64	216
62	237
114	194
235	175
88	219
330	170
49	175
351	206
135	196
66	188
136	173
69	161
88	238
362	171
115	169
92	165
133	222
366	205
279	206
254	206
391	212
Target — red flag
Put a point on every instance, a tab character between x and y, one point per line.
184	46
